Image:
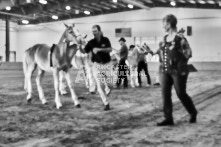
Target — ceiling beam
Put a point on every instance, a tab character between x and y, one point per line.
23	10
93	8
136	3
100	6
148	1
82	9
119	4
109	5
16	15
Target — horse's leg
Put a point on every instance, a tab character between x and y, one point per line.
40	89
29	73
132	76
25	70
136	78
86	77
62	85
91	79
25	83
71	87
56	87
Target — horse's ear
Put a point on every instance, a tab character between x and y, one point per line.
66	25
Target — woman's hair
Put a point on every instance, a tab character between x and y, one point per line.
171	19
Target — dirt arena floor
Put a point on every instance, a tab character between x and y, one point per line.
130	122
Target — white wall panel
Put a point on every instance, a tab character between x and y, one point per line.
205	41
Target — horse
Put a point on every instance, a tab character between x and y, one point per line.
57	60
80	61
132	62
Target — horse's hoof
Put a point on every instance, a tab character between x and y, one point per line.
107	107
78	106
93	92
81	97
46	103
59	107
29	101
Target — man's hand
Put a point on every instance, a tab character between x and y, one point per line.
95	50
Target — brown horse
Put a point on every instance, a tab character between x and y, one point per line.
53	59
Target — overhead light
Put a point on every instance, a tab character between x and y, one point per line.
25	21
211	2
43	2
192	2
202	2
68	8
173	3
8	8
87	12
130	6
77	11
115	1
54	17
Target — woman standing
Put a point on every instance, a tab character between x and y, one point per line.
175	55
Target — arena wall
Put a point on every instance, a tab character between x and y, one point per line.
205	39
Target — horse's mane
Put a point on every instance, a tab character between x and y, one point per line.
62	37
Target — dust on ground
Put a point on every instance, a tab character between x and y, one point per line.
131	121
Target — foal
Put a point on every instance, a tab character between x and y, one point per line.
53	59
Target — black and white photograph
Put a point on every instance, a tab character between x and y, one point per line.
110	73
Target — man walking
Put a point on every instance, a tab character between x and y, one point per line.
122	70
100	48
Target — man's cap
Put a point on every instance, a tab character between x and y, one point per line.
132	46
122	39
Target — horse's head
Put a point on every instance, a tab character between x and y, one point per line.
146	48
73	35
